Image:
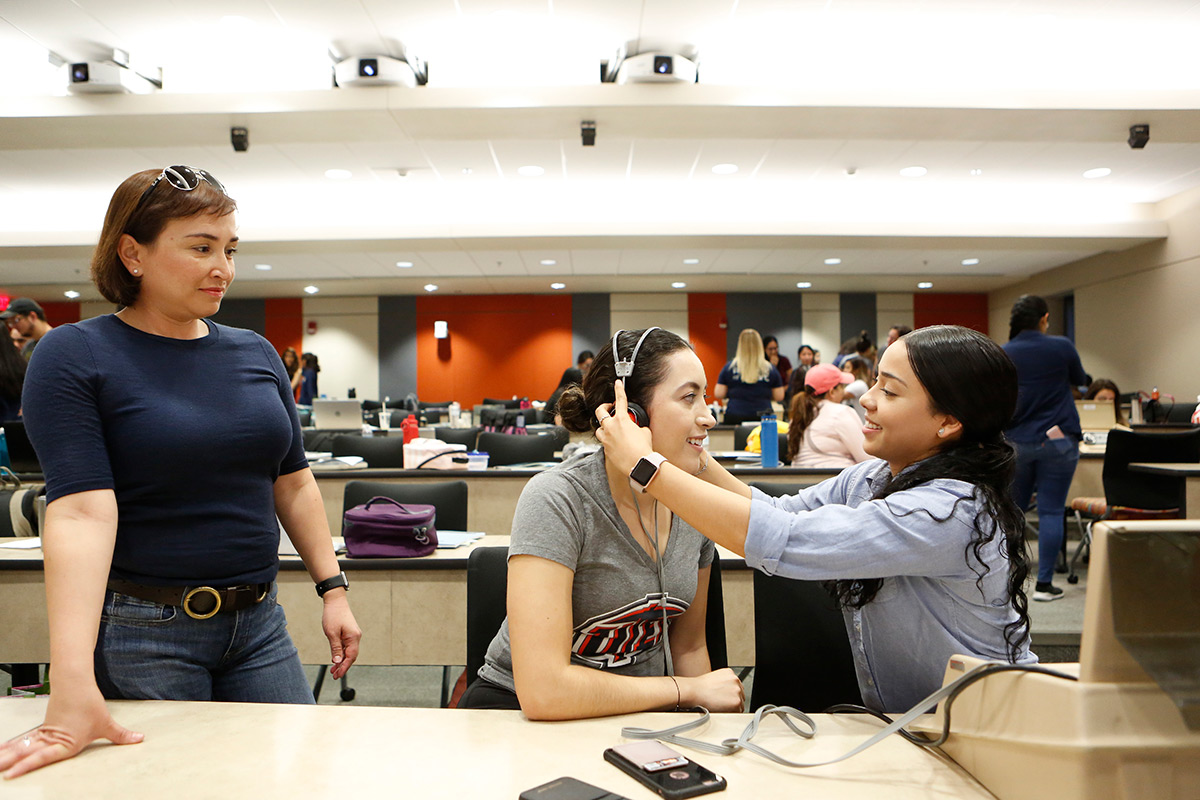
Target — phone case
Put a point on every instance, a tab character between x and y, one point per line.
686	781
566	788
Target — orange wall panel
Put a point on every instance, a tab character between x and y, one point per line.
707	327
499	346
968	310
285	323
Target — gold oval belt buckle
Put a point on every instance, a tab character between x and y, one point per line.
187	602
266	591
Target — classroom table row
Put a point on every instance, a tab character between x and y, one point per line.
221	750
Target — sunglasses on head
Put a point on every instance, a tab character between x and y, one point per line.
185	179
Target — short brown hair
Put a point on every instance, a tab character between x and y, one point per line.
144	224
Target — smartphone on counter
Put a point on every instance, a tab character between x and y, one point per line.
663	770
569	789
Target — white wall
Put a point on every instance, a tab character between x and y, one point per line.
634	311
346	343
822	319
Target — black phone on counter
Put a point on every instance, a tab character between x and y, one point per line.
663	770
569	789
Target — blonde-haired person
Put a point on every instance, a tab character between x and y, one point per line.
161	537
822	431
748	384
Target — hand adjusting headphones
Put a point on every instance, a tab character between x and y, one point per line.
625	369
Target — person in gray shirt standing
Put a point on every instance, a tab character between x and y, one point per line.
606	587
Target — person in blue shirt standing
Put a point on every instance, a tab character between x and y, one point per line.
308	381
1045	428
748	383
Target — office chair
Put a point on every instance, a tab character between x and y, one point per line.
318	441
21	455
1135	495
377	451
305	416
802	654
506	448
467	436
449	498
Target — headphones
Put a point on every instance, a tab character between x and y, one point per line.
625	369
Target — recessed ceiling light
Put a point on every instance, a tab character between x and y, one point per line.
71	293
339	174
558	286
913	172
1098	172
531	171
724	169
431	287
678	285
547	262
804	285
833	262
924	285
691	261
263	267
970	262
976	172
403	264
311	289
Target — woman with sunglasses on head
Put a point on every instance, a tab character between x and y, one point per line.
169	444
924	546
607	589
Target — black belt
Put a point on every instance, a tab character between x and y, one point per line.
198	602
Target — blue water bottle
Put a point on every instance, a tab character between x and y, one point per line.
768	438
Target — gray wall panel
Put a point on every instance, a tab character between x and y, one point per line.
246	312
858	315
397	346
775	314
589	322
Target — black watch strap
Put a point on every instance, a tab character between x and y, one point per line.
339	580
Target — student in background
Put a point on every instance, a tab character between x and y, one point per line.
805	358
572	376
12	378
926	546
308	379
1045	427
821	431
595	568
779	362
172	453
28	319
291	364
749	383
1106	391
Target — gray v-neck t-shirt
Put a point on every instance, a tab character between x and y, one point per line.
567	515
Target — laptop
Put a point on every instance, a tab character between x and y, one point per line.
337	415
1095	415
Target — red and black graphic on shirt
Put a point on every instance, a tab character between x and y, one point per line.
619	637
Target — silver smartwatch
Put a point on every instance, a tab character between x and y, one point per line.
644	471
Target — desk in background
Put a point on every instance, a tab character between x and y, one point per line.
237	749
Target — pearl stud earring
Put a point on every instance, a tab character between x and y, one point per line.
941	431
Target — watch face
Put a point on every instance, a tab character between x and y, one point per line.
644	471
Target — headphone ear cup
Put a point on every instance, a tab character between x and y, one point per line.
639	415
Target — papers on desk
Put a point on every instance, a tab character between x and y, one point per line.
338	462
735	455
26	543
536	466
448	540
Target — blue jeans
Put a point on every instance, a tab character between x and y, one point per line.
150	651
1047	466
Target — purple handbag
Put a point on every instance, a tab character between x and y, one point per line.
385	528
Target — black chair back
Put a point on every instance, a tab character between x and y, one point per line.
449	498
1123	487
379	452
466	436
802	654
21	454
779	489
507	448
487	602
714	619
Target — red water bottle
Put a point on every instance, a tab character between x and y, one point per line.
409	426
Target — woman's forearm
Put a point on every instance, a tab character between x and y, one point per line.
81	531
721	514
298	504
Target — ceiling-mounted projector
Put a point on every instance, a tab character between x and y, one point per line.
97	77
379	71
656	68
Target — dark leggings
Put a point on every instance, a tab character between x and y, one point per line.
485	694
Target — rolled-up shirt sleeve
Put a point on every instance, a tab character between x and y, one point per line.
920	531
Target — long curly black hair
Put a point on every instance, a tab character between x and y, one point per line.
969	377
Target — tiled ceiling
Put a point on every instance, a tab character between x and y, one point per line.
819	104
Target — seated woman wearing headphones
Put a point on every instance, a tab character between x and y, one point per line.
607	588
924	545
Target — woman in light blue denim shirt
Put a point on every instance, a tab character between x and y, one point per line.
925	547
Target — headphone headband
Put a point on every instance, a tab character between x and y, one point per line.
625	368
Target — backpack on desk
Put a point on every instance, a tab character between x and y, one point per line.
385	528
